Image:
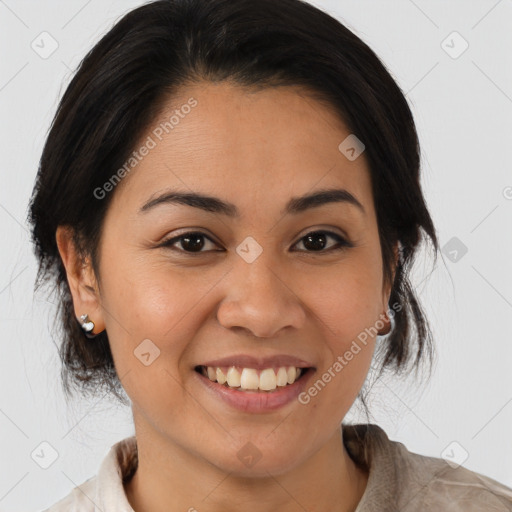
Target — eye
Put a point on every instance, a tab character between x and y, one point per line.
191	242
315	241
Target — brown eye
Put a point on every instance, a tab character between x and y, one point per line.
192	242
316	241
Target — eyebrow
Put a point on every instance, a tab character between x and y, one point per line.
294	206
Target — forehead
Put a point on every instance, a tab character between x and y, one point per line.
250	147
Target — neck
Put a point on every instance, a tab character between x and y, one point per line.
171	479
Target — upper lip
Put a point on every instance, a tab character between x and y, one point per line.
259	363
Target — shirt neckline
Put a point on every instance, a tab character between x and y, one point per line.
367	444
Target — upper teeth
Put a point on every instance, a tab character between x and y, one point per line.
248	378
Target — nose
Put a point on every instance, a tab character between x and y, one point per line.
260	300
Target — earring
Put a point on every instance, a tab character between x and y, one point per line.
87	326
392	325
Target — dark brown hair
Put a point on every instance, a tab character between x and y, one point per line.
156	50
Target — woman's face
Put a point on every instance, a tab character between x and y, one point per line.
252	283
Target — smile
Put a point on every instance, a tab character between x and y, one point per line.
254	400
251	379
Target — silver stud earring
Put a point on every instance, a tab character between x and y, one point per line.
87	326
391	320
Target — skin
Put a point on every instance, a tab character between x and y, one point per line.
256	150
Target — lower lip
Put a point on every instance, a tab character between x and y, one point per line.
259	401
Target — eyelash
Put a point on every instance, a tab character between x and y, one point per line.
342	242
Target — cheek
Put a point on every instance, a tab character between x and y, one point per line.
345	305
151	316
345	299
147	301
343	316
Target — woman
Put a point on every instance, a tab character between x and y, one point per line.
229	201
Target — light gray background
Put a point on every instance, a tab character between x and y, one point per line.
463	110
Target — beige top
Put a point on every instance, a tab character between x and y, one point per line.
399	480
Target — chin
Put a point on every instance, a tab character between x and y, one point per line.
252	462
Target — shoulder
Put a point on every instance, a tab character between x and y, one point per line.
439	485
80	499
104	491
407	481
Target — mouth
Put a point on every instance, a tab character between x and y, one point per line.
252	380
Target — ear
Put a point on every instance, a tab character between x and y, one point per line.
389	286
81	279
387	290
